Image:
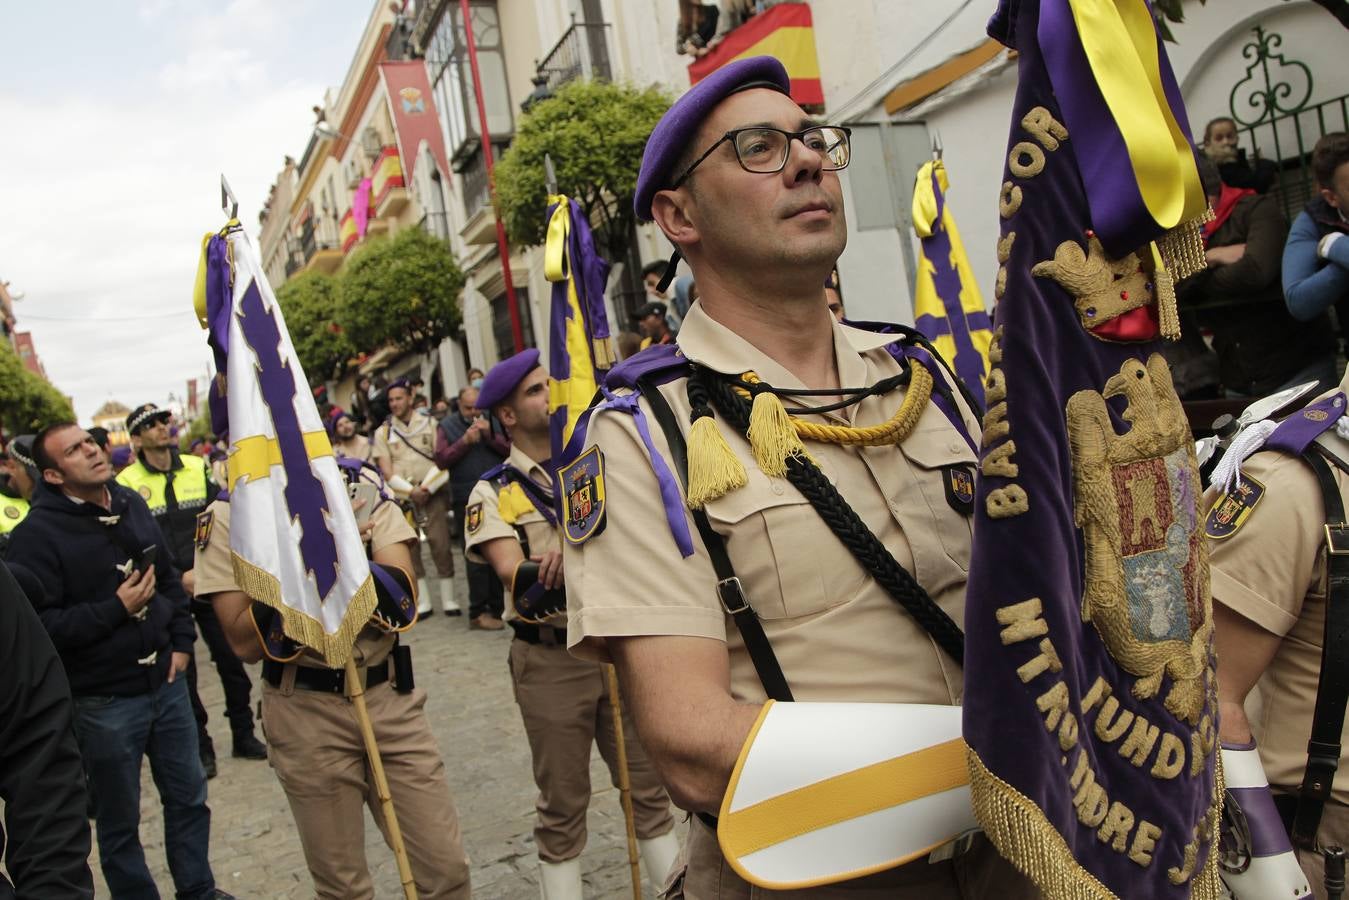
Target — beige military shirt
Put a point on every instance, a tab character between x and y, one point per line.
483	522
215	571
410	447
1272	570
359	447
837	634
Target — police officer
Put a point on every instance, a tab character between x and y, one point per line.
1272	580
317	750
176	488
405	447
510	524
840	430
20	477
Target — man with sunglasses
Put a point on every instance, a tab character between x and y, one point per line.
798	491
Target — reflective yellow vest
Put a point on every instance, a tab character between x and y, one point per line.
189	484
12	511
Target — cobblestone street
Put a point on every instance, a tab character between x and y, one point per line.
256	854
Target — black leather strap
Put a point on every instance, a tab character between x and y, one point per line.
1332	692
326	681
530	633
730	591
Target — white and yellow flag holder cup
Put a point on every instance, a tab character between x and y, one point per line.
889	785
265	534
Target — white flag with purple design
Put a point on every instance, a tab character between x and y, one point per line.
294	540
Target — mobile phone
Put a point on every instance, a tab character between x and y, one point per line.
363	490
145	560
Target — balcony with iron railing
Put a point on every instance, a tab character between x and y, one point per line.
581	52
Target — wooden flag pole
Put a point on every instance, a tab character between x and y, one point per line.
356	690
624	782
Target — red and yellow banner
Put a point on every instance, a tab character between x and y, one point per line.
386	174
415	122
347	233
784	31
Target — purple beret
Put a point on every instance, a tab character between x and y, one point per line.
504	376
121	456
680	123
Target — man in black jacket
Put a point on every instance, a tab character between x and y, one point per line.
41	779
120	622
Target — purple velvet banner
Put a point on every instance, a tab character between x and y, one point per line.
1089	704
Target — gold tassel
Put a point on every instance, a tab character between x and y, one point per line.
1164	291
714	469
772	436
512	503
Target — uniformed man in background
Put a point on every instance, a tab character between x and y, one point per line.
405	448
510	523
317	750
16	488
745	184
176	488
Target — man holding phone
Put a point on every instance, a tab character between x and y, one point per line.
118	616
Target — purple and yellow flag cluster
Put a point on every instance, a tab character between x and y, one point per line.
579	347
1090	709
294	542
947	306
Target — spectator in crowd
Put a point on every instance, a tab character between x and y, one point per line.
41	775
1316	257
833	295
475	377
119	619
468	443
16	492
440	409
628	343
419	401
1260	347
100	436
379	405
651	322
360	402
677	304
347	441
1220	146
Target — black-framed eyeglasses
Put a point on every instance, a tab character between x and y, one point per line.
761	150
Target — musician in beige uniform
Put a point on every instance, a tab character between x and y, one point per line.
404	448
1267	562
563	701
315	745
757	212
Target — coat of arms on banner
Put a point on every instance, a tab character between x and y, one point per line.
583	492
1146	576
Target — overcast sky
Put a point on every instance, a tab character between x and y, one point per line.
116	119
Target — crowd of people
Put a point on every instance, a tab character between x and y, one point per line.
744	594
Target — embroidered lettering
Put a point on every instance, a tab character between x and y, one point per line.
1042	126
1026	160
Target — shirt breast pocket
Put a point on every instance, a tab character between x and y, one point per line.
788	561
937	517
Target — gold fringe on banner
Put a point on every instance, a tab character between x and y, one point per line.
335	648
1183	247
1022	834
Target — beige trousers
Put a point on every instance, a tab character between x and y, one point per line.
564	702
315	746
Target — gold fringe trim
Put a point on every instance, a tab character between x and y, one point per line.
772	437
605	357
714	469
335	648
1183	247
1026	839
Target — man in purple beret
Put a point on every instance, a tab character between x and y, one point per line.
511	523
818	541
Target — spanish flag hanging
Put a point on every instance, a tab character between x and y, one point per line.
947	307
784	31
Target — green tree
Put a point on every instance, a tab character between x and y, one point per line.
310	304
27	402
594	131
402	291
1168	11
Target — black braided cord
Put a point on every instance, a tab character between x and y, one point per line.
848	527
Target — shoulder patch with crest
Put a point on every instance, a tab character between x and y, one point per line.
144	491
1233	508
11	512
204	522
473	517
583	496
959	483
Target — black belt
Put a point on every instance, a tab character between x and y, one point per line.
546	635
328	681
